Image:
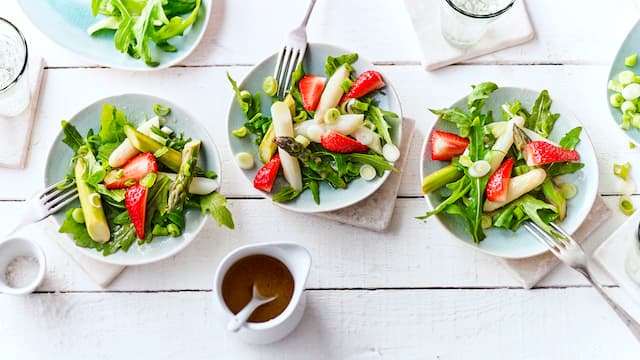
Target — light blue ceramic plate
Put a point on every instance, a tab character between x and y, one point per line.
66	23
137	107
330	199
521	244
629	46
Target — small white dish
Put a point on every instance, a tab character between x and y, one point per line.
298	260
15	253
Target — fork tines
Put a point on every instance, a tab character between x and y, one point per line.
287	62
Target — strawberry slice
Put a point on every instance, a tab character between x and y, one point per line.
367	82
498	183
134	170
445	145
336	142
266	176
311	87
135	200
542	152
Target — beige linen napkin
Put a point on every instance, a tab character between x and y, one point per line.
15	132
375	212
510	29
530	271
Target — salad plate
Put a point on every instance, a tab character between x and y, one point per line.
66	22
519	244
314	63
137	107
628	47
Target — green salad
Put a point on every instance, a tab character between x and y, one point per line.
328	128
137	24
477	183
135	182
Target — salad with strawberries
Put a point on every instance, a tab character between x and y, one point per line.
502	172
135	182
328	128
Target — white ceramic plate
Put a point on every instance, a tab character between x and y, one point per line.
136	106
330	199
521	244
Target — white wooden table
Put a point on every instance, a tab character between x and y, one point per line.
410	293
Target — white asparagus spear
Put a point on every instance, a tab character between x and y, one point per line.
126	151
283	126
332	93
346	125
518	186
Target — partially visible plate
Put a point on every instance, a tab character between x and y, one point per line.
66	22
629	46
136	107
520	244
330	199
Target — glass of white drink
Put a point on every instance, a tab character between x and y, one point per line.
464	22
14	85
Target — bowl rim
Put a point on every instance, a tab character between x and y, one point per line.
391	90
423	157
92	253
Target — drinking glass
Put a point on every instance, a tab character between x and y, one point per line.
464	22
14	85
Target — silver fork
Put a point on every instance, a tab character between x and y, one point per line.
44	203
570	252
292	53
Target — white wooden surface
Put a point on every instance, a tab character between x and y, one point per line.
409	293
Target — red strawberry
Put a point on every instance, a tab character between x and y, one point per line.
543	152
311	87
134	170
445	145
499	182
267	174
135	200
336	142
367	82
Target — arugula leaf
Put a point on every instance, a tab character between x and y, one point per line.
378	162
78	232
178	7
112	123
376	116
480	92
71	136
541	119
478	184
456	116
295	89
460	188
333	63
176	25
314	187
557	169
539	212
571	139
94	173
285	194
216	205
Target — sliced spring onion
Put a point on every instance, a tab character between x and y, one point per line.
626	122
302	116
270	86
173	230
390	152
78	215
240	132
614	85
367	172
635	121
94	200
303	140
568	190
622	170
245	160
631	91
626	77
616	100
148	180
626	205
246	96
630	60
486	221
167	130
628	106
331	116
632	145
479	168
465	161
161	110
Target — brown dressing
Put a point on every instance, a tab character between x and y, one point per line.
271	277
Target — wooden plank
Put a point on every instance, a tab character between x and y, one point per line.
210	96
245	32
416	324
411	253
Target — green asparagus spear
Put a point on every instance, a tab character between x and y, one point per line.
440	178
311	161
179	188
555	198
91	204
171	158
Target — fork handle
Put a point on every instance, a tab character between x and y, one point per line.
628	320
305	20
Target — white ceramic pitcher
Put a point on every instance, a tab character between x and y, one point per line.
298	260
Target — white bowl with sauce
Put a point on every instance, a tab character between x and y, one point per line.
297	260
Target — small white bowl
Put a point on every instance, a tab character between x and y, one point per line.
13	248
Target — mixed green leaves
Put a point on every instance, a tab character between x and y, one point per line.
139	23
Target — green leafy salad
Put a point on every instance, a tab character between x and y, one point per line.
135	183
139	23
328	128
477	184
